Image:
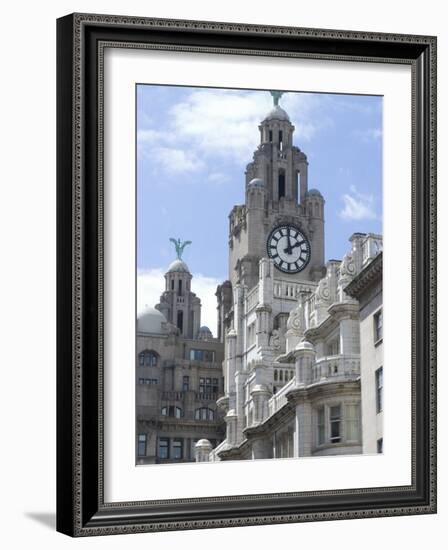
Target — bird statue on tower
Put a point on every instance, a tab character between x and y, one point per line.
276	96
179	246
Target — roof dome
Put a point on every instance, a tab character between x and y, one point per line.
205	333
256	182
313	193
178	266
151	321
204	443
277	113
304	345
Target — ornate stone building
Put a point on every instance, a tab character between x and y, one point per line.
178	375
290	330
367	288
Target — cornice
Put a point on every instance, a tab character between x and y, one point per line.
371	274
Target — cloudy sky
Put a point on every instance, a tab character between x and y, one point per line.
193	145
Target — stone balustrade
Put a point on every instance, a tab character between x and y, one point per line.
336	366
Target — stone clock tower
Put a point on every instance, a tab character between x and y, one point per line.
281	219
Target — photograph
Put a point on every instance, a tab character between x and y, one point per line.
259	276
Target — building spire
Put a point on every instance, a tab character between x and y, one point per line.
276	96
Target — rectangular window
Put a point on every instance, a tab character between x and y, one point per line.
333	347
164	447
270	135
251	334
202	355
141	360
186	383
378	325
208	386
335	424
352	422
178	446
321	426
379	389
379	446
141	445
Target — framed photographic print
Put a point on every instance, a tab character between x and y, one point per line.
246	274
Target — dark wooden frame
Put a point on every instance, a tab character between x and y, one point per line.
81	510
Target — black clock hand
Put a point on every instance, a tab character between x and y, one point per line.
289	249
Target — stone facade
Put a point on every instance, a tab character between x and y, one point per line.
367	289
178	376
292	373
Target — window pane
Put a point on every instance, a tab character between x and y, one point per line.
177	449
352	422
164	447
335	423
379	389
321	426
379	446
378	320
141	445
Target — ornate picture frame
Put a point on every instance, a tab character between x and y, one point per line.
81	506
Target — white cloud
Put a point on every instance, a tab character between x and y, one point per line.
177	161
218	125
218	178
151	284
357	206
369	134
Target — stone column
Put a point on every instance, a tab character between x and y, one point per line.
260	397
303	435
202	450
262	448
231	420
305	356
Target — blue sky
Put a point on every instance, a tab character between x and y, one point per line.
193	145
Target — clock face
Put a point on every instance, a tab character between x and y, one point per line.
289	248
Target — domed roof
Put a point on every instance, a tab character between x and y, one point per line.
204	333
178	266
277	113
256	182
313	192
204	443
304	345
151	321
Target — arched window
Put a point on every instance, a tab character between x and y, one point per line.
286	375
275	375
148	358
204	413
172	411
281	376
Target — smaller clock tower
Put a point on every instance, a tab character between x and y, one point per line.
281	218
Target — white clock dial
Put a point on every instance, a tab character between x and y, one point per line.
289	248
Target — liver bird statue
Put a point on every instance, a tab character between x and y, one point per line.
179	246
